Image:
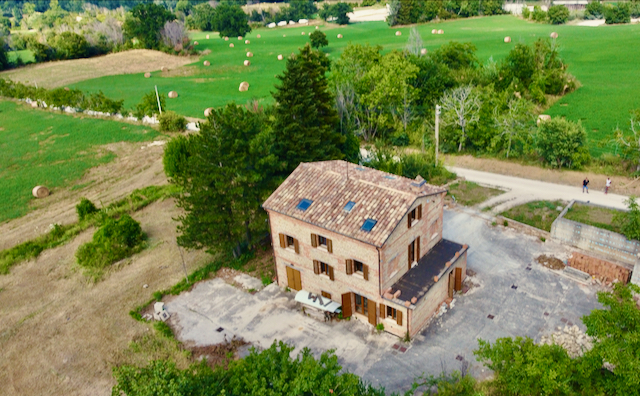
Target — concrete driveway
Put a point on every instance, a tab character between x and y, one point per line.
523	297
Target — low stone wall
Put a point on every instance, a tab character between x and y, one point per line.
608	244
523	228
601	269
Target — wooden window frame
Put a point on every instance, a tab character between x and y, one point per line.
357	264
325	294
291	241
391	313
363	306
317	242
414	216
322	241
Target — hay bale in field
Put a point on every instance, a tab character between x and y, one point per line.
207	37
249	54
147	75
173	94
206	63
247	63
40	192
302	34
66	88
284	35
339	36
195	43
164	69
554	35
507	39
258	36
434	31
316	28
280	57
239	37
244	86
398	33
231	45
247	42
207	111
440	31
226	38
423	51
543	118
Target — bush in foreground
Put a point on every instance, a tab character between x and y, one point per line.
85	208
562	143
171	121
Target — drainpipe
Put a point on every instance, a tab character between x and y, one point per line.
379	274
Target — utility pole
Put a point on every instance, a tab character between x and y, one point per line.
438	108
158	98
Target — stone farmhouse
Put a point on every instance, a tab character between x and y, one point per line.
365	242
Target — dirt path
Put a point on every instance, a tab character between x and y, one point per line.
57	74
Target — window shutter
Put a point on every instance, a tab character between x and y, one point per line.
365	272
316	267
399	317
329	246
458	281
331	272
409	256
409	220
349	267
283	242
346	305
418	249
290	281
419	211
298	281
383	311
296	246
372	313
314	240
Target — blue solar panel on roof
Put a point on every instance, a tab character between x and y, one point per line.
349	206
360	168
422	183
389	177
368	225
304	204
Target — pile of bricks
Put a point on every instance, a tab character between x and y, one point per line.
602	270
571	338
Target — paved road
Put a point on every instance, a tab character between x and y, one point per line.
521	190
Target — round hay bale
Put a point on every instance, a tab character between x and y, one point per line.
554	35
423	51
543	118
339	36
207	111
280	57
440	31
398	33
247	42
316	28
239	37
302	34
434	31
226	38
244	86
40	192
247	63
207	37
66	88
507	39
206	63
284	35
147	75
231	45
195	43
34	104
249	54
164	69
173	94
178	48
258	36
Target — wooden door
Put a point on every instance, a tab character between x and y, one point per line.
458	285
346	305
451	284
293	279
372	313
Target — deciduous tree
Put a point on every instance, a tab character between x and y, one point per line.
562	143
145	22
460	107
229	20
318	39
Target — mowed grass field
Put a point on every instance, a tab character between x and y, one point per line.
604	59
43	148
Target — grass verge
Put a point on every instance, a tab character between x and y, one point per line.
594	216
539	214
59	235
469	193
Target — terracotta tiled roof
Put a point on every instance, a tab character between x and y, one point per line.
380	196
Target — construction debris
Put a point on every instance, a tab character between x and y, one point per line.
571	338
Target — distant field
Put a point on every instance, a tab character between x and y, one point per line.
42	148
26	55
604	59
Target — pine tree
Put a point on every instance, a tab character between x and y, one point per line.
305	122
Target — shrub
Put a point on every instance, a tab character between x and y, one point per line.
113	241
4	60
526	14
176	157
630	220
380	327
164	329
99	102
41	52
594	10
505	223
621	13
318	39
148	106
69	45
562	143
400	139
61	97
230	20
538	15
558	14
171	121
85	208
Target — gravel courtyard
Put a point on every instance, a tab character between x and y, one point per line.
513	296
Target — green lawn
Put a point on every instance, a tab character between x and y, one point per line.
26	55
469	193
43	148
539	214
594	215
604	59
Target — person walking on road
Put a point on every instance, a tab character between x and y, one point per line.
607	185
585	185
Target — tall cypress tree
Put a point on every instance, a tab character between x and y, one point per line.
305	121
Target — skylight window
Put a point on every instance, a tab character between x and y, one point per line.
389	177
349	206
304	204
368	225
361	169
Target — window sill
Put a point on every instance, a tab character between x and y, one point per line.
323	247
291	249
358	275
414	222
